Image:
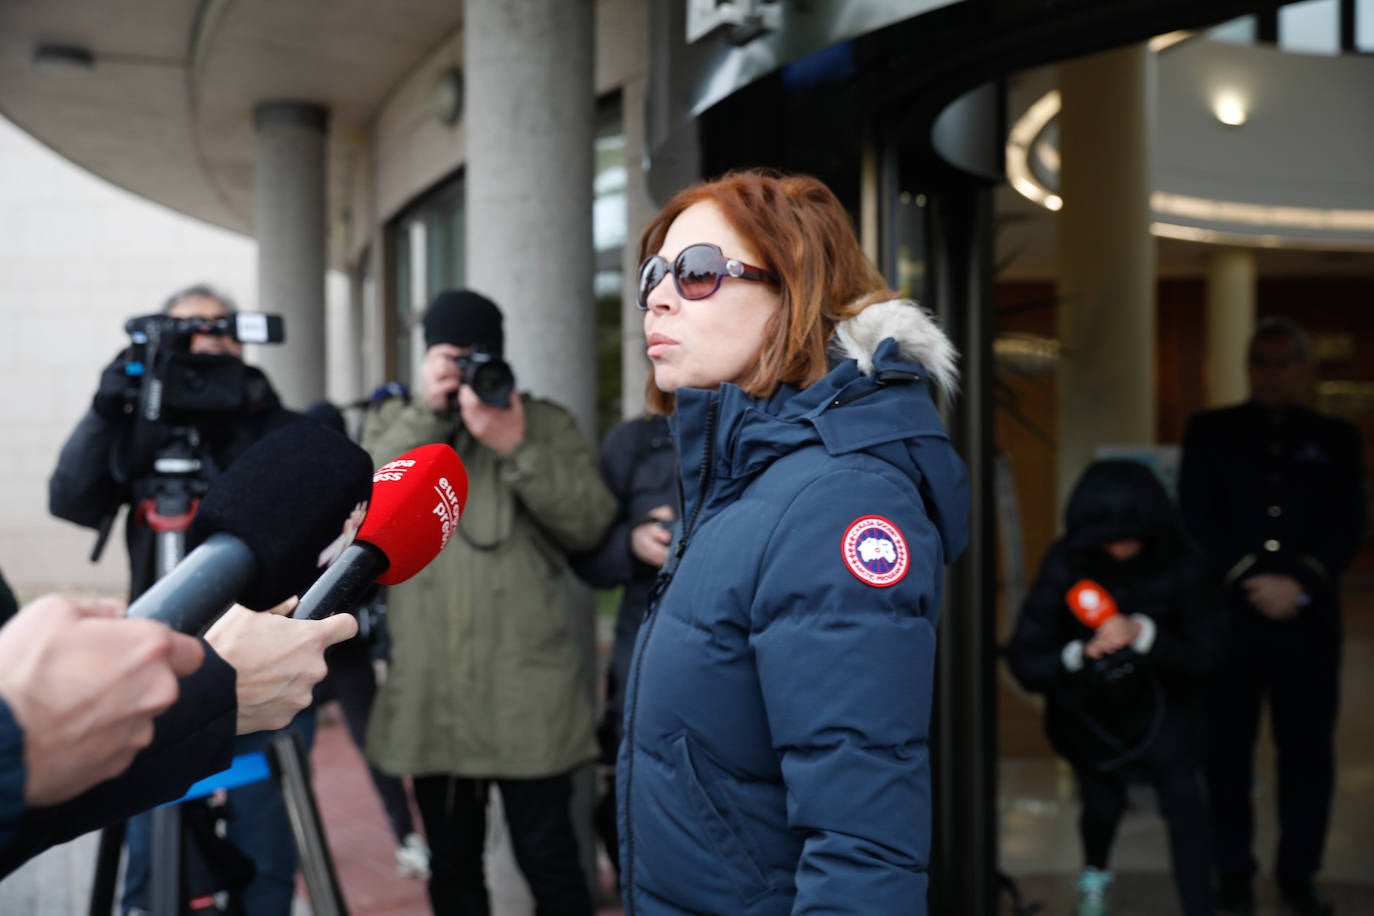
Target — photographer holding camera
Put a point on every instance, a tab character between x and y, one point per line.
487	686
181	391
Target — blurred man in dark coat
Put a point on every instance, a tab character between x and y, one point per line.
1274	493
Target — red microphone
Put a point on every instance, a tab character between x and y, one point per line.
417	502
1091	603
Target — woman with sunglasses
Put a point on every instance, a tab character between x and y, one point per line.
774	756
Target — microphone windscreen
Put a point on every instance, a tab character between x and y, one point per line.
417	501
1091	603
290	497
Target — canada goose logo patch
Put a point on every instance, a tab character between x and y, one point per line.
875	551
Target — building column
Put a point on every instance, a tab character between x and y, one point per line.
288	219
1230	322
529	114
529	127
639	209
1106	258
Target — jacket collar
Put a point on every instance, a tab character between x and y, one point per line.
877	394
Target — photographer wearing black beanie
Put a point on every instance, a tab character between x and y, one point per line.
486	687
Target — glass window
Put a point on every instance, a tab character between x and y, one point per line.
1311	28
427	245
1240	31
1364	25
609	233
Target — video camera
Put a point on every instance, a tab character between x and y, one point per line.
169	382
489	376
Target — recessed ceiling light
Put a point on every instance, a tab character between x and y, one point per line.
1230	109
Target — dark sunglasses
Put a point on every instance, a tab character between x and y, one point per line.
697	272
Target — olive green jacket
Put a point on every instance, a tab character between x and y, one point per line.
487	678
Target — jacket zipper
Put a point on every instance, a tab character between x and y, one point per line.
656	595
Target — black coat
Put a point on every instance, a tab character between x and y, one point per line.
1151	711
639	465
1275	490
85	489
9	605
191	740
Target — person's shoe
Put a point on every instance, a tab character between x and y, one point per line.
1302	898
1236	895
412	857
1092	892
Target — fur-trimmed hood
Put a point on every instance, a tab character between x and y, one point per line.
891	364
919	339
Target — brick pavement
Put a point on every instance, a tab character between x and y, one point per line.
361	842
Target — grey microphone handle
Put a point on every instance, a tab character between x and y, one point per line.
201	587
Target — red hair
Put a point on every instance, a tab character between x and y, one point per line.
805	237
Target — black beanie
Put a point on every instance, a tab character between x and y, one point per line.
465	319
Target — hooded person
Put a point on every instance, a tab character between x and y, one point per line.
1119	632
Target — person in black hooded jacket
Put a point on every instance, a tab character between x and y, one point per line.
1119	633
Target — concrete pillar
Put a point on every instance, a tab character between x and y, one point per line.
1106	257
288	219
529	112
1230	322
639	209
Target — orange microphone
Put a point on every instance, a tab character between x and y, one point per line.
1091	603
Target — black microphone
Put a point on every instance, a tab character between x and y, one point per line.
265	527
417	501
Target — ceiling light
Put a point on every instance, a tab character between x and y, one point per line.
1230	109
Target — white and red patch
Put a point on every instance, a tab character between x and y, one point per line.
875	551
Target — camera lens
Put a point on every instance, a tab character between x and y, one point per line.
493	383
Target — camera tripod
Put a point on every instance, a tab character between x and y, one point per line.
179	478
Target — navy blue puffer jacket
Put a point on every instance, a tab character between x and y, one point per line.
777	713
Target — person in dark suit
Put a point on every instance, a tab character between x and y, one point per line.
1274	493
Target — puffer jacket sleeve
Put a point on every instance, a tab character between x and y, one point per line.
846	671
553	473
1189	639
82	489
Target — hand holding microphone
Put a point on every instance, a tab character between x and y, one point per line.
85	686
1095	607
278	661
417	502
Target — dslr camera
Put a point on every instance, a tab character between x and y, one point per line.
488	375
167	381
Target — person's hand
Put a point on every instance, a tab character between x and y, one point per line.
110	396
500	429
439	376
1116	633
1273	595
278	659
649	540
85	685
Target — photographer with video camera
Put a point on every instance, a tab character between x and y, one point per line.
487	685
230	406
171	412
